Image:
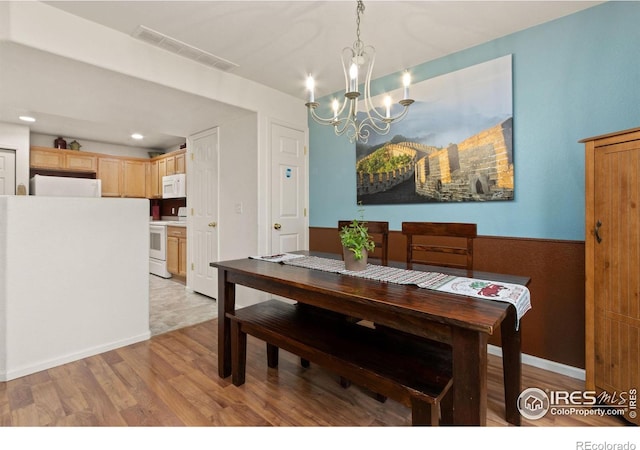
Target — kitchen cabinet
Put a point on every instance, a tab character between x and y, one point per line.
134	178
171	165
167	164
154	180
177	251
181	166
175	162
110	172
123	177
62	160
162	171
79	162
612	257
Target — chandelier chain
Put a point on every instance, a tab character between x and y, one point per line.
359	10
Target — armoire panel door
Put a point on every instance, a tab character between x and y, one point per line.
617	267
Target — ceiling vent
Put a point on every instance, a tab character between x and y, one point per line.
180	48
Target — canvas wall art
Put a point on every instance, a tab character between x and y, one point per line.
455	144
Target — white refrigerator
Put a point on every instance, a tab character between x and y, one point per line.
64	186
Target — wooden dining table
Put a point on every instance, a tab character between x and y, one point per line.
465	323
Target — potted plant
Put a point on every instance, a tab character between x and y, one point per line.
356	243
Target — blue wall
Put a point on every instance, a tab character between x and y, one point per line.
573	78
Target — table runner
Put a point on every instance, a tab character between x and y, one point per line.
515	294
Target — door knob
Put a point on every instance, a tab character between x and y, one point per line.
212	224
277	226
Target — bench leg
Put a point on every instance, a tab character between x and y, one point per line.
423	413
272	356
446	408
238	354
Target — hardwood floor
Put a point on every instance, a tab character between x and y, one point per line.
171	380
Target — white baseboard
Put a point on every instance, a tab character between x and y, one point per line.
12	374
545	364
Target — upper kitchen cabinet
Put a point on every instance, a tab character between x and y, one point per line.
110	172
181	166
153	180
174	162
134	178
171	165
167	164
62	160
123	177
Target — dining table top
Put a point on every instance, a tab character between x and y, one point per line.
472	313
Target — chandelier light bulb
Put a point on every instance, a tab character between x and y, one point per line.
310	87
353	77
406	82
335	105
387	104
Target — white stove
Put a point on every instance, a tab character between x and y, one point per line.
158	243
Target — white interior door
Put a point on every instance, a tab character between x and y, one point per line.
7	172
288	190
202	205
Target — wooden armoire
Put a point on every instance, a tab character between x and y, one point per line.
612	266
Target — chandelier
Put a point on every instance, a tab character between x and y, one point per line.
357	60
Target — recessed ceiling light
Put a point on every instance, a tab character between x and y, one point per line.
137	136
27	118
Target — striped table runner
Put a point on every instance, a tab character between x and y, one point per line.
515	294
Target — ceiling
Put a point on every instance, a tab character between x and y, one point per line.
275	43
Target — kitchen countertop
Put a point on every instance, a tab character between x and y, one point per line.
170	223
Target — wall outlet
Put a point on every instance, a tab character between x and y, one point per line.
238	208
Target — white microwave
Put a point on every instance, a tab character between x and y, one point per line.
174	186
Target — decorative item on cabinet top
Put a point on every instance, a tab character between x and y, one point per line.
75	145
60	143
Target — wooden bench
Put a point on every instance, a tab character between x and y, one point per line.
414	372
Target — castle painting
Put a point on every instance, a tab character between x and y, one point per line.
455	145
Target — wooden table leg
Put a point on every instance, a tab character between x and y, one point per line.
226	303
469	377
238	354
511	366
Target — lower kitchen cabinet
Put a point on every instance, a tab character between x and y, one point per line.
177	251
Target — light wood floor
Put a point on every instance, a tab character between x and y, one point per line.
171	380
